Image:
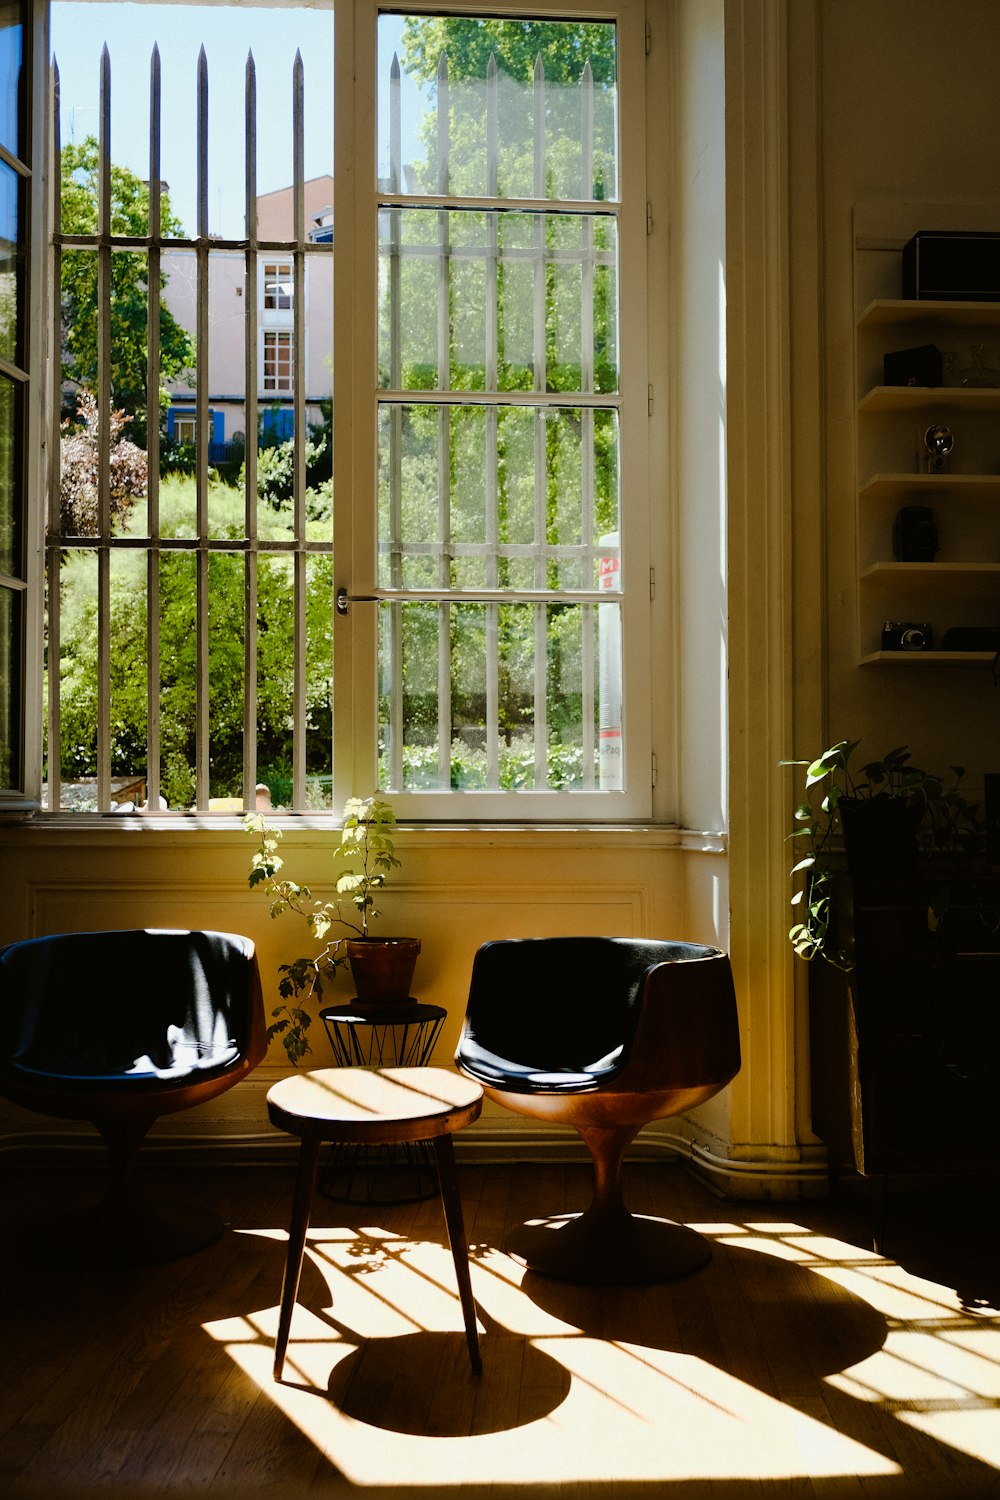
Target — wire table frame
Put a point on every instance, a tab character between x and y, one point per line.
401	1036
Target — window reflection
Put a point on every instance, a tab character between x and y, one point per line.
10	74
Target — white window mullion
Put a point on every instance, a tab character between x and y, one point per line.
540	612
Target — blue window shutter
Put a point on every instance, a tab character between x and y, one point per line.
170	422
218	427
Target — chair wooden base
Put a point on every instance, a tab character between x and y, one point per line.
619	1249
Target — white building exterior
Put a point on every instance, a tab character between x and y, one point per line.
226	353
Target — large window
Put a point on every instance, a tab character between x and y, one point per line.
425	565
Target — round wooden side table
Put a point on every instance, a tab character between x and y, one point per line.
366	1107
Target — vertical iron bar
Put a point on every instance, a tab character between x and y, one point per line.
299	428
444	714
202	730
540	611
250	455
54	553
153	446
104	439
491	478
588	521
395	430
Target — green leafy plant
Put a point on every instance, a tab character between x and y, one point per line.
949	833
366	843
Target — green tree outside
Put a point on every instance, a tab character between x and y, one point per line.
129	287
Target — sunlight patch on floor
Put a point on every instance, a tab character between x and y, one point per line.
617	1410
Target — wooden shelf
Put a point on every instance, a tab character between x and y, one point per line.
929	658
938	486
891	312
953	571
944	397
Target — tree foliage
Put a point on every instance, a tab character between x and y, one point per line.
78	464
469	41
129	287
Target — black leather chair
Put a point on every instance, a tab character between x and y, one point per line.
605	1034
119	1028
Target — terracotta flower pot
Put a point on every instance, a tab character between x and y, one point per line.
382	968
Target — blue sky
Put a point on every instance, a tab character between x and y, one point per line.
228	32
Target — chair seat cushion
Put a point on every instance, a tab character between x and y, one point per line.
525	1078
185	1059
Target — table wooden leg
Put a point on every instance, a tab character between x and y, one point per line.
452	1203
305	1181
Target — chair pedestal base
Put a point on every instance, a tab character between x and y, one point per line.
122	1230
608	1249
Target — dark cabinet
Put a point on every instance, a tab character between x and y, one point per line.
905	1047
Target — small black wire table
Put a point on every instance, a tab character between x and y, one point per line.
401	1036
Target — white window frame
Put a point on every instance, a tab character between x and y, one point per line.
274	276
271	342
355	395
355	390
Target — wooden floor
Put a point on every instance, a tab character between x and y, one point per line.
798	1363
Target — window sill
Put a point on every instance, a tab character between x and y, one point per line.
221	829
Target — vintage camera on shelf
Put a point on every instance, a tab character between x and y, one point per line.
907	635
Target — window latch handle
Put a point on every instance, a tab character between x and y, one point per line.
344	599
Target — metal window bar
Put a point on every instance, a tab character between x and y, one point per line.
395	664
104	437
250	362
588	717
545	257
492	476
444	325
153	443
541	485
53	551
104	544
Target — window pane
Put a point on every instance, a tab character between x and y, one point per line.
129	677
509	497
11	45
178	677
10	288
77	680
498	696
506	301
275	675
226	672
508	108
11	636
11	398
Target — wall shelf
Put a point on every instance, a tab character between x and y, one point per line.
962	587
941	397
930	488
928	658
894	312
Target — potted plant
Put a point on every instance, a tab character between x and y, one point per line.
885	821
382	967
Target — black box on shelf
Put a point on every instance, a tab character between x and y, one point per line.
921	366
952	265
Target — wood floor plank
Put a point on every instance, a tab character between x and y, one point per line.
154	1382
